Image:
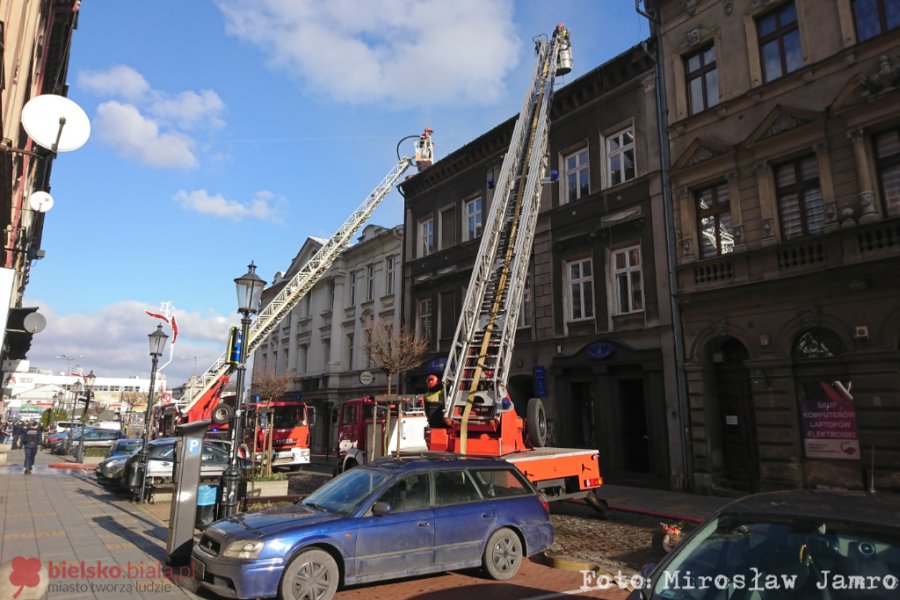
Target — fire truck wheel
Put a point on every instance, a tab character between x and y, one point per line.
503	554
536	423
222	414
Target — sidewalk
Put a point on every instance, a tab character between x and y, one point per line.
74	526
677	506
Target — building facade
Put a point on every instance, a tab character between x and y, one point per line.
595	332
321	345
784	131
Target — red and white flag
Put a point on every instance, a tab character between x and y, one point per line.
174	329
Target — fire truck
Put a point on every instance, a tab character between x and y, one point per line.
207	402
287	423
374	426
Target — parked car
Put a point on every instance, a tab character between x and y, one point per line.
410	516
111	470
58	441
214	459
125	447
791	544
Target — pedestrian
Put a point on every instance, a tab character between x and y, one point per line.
18	430
31	438
434	402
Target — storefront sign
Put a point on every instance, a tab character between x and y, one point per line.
828	418
540	382
600	350
436	365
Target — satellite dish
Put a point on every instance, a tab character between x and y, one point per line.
56	123
34	322
40	202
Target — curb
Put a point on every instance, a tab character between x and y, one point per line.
643	511
567	563
72	466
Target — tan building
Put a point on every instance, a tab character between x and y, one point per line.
784	132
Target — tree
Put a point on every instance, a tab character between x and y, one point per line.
269	386
393	351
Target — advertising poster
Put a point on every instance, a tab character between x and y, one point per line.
828	420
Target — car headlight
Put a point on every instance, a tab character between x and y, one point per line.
243	549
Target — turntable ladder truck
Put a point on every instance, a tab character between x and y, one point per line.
479	415
205	403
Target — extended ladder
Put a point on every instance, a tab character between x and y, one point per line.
479	358
214	379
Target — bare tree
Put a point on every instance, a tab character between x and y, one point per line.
393	351
269	386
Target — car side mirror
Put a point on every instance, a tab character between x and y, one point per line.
381	508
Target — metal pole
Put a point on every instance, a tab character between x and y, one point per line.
87	402
231	478
143	458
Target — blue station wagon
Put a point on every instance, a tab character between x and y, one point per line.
389	519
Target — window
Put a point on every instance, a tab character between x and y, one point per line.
426	236
527	306
454	487
620	156
389	264
370	282
714	221
887	154
581	290
779	42
352	295
817	342
303	358
473	218
350	351
448	317
629	285
413	492
578	181
497	483
423	328
874	17
449	227
702	79
799	198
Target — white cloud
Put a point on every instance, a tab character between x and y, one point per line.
424	53
264	206
190	110
120	81
123	127
114	341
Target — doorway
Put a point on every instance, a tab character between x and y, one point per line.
584	424
633	425
737	425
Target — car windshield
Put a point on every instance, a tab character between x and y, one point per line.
736	555
129	447
346	493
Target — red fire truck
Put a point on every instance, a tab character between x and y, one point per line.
288	423
370	427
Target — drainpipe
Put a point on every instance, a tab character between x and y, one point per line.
681	389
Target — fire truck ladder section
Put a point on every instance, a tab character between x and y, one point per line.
479	360
307	277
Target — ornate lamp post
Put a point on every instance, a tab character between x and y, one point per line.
76	393
157	343
89	380
249	291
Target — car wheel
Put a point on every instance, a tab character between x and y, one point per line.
503	554
312	575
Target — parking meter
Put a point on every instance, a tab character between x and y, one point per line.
186	478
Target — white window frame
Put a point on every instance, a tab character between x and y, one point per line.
424	315
626	275
527	307
352	295
581	170
473	210
425	237
608	155
581	281
370	282
390	263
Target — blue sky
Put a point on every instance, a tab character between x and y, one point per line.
225	131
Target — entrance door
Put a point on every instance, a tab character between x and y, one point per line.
738	427
584	427
635	437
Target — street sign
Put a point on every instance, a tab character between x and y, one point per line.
366	377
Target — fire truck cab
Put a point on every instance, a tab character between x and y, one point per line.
373	426
288	422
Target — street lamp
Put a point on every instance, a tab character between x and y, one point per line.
77	387
249	291
69	360
157	343
88	387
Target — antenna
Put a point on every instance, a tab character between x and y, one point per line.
56	123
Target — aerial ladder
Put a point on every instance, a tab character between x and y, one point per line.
205	403
480	416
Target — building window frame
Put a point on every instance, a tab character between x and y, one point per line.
805	190
889	162
473	210
370	282
390	264
881	15
705	69
718	212
625	149
579	289
351	297
576	175
628	279
425	236
783	30
424	316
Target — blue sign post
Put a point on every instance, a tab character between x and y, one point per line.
540	382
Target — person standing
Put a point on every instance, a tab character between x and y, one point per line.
31	438
434	402
17	432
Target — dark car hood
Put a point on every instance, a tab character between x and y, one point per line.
273	520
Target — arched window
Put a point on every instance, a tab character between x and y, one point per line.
817	343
